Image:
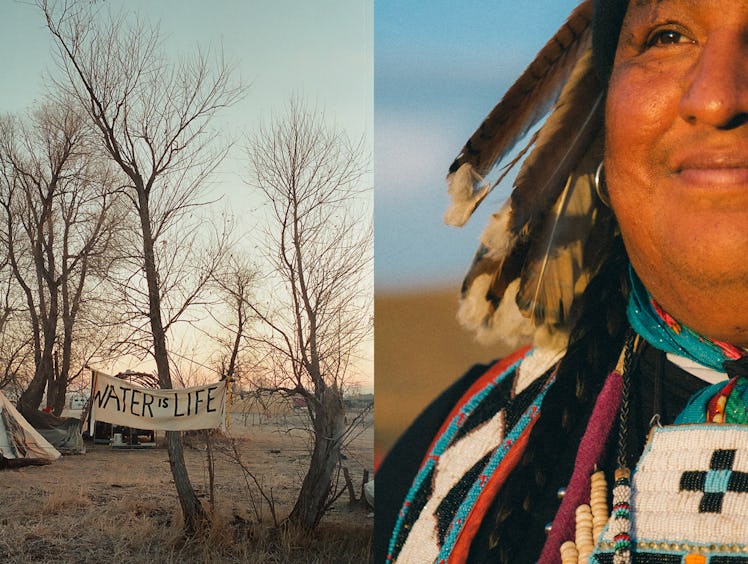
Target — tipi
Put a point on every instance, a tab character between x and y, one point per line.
20	443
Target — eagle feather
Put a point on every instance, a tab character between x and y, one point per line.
524	104
541	249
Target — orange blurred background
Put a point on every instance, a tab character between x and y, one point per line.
419	349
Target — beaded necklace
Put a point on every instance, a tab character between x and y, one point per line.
657	327
584	510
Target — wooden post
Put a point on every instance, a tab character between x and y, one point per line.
86	415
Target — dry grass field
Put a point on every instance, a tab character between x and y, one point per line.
419	350
120	505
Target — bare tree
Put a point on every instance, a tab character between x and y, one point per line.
15	341
153	121
91	220
235	284
56	202
319	248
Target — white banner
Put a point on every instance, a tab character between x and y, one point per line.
122	403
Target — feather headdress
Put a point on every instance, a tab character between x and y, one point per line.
540	250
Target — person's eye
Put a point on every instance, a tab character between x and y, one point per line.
666	36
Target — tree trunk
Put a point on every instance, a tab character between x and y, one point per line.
62	369
51	389
31	398
61	388
57	387
328	425
193	512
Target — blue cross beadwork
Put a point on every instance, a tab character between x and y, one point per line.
715	482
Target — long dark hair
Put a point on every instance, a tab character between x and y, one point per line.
594	346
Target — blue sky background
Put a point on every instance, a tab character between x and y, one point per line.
440	67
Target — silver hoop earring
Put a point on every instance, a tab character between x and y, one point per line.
600	189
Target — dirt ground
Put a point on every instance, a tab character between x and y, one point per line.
120	505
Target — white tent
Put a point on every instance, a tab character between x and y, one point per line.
20	443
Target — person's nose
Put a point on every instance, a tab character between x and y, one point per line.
717	89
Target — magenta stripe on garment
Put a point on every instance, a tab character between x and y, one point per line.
589	454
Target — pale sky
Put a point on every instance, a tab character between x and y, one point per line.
321	51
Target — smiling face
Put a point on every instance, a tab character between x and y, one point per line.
677	157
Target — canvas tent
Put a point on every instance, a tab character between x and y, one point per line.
20	443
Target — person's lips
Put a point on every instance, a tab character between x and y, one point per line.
715	176
713	168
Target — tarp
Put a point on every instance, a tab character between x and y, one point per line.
64	433
122	403
20	443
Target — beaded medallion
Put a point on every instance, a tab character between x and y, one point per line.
689	498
